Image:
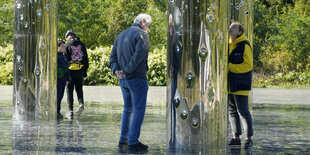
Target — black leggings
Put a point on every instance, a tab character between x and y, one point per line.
77	82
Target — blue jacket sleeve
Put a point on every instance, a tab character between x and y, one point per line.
113	64
141	51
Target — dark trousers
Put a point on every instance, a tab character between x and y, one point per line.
239	110
77	83
61	84
172	141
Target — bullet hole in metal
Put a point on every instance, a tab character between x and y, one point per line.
39	13
37	72
21	17
18	58
184	115
42	47
189	76
25	80
203	52
195	123
177	102
20	67
18	6
214	5
26	25
210	20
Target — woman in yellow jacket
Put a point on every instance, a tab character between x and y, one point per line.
239	78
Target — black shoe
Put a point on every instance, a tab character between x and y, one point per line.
137	147
234	143
122	145
60	116
248	144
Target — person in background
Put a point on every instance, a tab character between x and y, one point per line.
240	78
62	74
78	65
128	62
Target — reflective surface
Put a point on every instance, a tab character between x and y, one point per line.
282	129
197	71
35	60
197	102
242	11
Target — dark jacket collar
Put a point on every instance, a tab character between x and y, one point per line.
138	25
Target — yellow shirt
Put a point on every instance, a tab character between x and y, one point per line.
245	66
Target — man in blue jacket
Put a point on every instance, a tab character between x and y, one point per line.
128	62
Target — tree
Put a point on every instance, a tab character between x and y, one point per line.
6	22
98	22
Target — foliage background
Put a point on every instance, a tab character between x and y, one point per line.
281	38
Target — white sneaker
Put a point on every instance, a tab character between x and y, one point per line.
69	115
79	111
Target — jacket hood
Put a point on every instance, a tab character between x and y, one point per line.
74	41
239	39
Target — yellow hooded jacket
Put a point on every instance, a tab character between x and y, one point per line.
245	66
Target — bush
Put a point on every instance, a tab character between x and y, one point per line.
99	72
290	79
157	67
6	65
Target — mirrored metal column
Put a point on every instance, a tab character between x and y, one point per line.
242	11
197	75
35	54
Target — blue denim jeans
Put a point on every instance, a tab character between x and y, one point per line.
134	94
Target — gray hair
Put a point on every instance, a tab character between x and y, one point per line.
143	16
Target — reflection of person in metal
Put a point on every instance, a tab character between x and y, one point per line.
175	55
128	62
62	74
71	144
239	78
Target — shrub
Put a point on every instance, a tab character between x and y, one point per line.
6	65
99	72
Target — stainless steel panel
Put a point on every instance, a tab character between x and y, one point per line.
197	73
35	56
